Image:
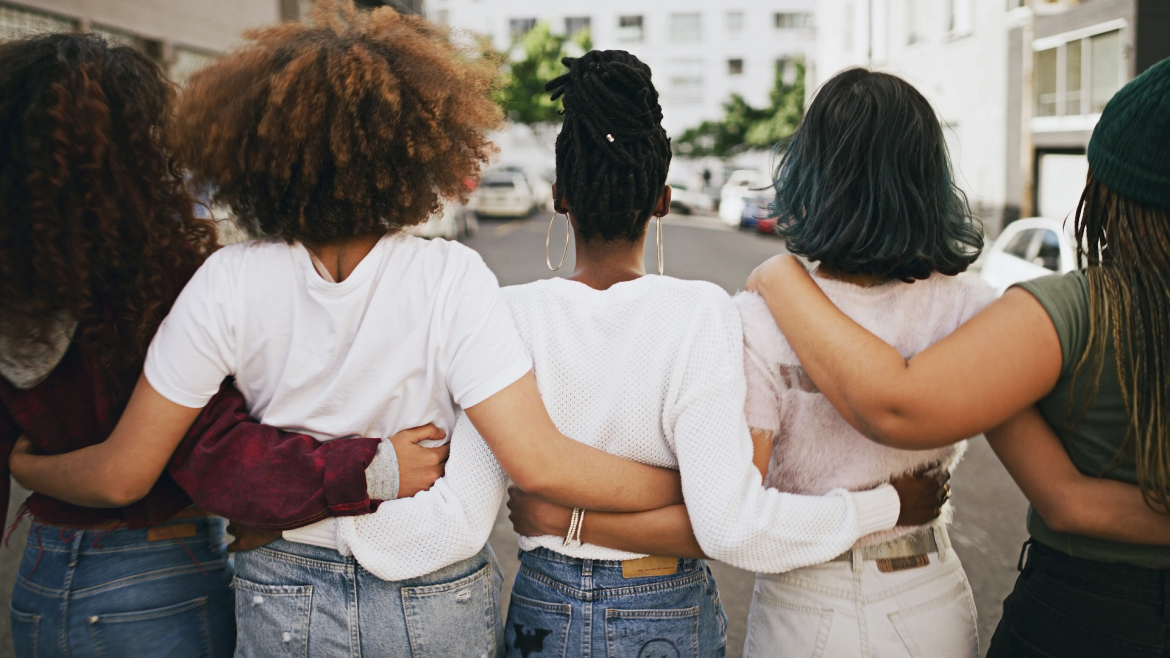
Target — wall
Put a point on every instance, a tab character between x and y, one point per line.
959	65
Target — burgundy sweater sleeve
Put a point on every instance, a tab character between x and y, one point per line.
9	433
238	468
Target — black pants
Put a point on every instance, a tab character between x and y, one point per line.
1063	607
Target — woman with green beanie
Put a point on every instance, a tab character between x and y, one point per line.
1090	349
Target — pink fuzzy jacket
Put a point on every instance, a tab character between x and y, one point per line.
814	449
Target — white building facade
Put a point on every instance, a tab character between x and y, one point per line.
955	53
700	52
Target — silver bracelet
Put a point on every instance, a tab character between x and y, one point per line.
573	536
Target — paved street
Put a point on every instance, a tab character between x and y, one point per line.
989	523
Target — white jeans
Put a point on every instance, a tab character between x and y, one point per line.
843	609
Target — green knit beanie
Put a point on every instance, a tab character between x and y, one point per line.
1130	148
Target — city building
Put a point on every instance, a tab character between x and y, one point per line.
1065	61
954	52
700	52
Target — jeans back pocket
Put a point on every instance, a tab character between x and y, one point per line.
182	630
537	629
943	626
455	619
652	633
272	620
26	628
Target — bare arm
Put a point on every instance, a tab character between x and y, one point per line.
761	450
119	470
1068	500
1000	362
664	531
541	460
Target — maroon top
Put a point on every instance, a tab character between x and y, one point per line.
76	406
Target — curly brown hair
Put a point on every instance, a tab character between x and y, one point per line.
95	223
358	125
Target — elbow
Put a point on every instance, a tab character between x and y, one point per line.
535	482
122	495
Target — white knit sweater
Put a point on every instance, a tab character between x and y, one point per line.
815	450
651	370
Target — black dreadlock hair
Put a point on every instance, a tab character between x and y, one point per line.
612	152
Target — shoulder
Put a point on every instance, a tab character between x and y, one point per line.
965	292
759	328
1065	298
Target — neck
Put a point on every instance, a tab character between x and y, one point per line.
601	264
863	280
343	255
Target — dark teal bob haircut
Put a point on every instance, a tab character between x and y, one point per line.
864	185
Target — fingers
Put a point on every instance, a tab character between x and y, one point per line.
428	432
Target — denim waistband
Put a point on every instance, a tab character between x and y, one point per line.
1122	579
318	558
685	565
193	530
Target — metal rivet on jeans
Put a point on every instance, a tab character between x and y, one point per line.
93	619
257	600
286	636
464	596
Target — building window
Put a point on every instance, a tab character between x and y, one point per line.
518	27
786	69
18	22
791	21
1078	76
686	89
734	21
735	66
630	29
959	17
575	24
686	28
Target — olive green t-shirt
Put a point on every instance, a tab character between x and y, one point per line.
1094	440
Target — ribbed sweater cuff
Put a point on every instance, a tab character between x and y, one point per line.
382	473
877	509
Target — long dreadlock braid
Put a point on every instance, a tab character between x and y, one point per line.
612	152
1126	247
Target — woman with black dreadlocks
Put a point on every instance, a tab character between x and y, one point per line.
649	368
1090	349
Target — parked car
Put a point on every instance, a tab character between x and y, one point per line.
454	222
503	194
755	210
1027	249
687	200
742	183
541	187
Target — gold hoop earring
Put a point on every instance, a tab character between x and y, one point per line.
548	238
660	263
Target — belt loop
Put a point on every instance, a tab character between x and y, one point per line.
1024	555
942	540
858	559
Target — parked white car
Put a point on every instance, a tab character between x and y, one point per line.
1027	249
687	200
542	195
453	223
741	183
503	194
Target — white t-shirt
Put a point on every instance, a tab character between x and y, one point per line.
418	330
649	370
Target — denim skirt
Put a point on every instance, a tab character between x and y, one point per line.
124	593
300	600
564	607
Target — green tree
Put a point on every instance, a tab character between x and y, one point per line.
743	126
535	59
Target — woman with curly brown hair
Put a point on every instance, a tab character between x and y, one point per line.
97	238
329	139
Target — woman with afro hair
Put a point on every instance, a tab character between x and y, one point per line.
326	141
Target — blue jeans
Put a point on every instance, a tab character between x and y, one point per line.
83	593
565	607
300	600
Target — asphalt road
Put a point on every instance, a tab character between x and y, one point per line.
989	511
